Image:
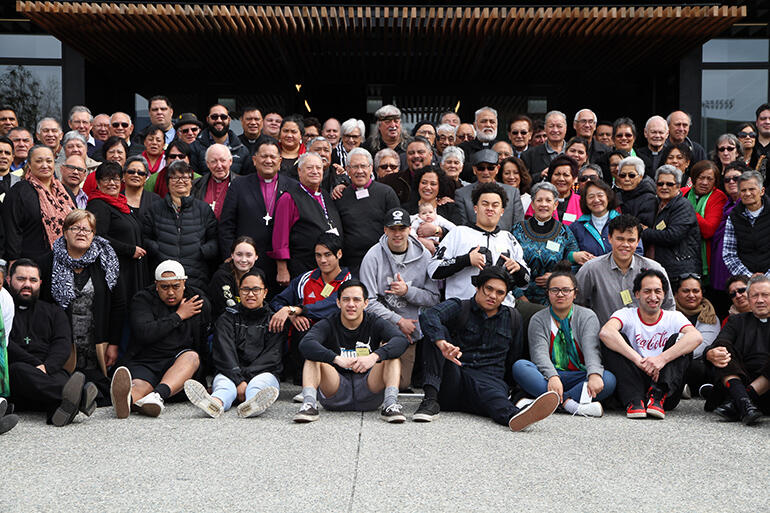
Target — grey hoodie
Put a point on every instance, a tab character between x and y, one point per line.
378	270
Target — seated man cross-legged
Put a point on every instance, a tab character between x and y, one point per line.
169	324
468	347
649	349
352	358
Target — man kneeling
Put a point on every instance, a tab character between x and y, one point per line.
342	355
468	347
169	323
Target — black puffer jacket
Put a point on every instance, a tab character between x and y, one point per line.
243	346
189	237
641	202
675	238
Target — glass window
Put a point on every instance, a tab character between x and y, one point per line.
142	112
736	50
730	97
25	46
35	92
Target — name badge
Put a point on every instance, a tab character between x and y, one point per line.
569	217
552	246
327	290
625	296
661	225
334	231
361	194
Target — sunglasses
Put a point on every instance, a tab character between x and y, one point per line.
624	136
735	292
666	184
627	175
76	168
122	124
731	179
136	172
746	135
586	178
486	168
389	166
176	156
193	130
687	276
223	117
519	132
725	148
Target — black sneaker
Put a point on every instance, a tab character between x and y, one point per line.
8	422
705	390
727	411
427	411
306	414
393	414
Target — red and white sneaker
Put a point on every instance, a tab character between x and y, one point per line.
655	407
636	410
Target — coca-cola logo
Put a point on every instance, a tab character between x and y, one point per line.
654	343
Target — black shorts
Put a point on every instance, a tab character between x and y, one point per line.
152	371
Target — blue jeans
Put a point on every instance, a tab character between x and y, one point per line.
534	383
226	391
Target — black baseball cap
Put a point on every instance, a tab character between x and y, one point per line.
397	217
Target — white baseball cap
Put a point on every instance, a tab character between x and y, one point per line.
169	266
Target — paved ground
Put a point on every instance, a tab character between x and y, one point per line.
184	461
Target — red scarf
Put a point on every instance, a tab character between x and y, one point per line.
120	202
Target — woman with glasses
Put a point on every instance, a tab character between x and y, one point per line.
134	179
513	172
624	135
223	289
545	242
81	275
688	294
34	208
176	150
386	162
673	238
353	134
114	222
182	228
736	290
747	135
246	356
452	161
679	156
636	192
719	273
565	351
708	201
728	149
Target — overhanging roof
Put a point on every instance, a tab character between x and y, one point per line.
378	44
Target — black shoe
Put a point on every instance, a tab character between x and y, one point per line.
427	411
705	390
8	422
393	414
88	399
306	414
3	406
749	413
727	411
70	400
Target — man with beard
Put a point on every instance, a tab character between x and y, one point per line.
38	349
218	131
486	133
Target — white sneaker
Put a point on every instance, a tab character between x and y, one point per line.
298	398
524	402
151	405
592	409
198	395
686	393
120	392
260	402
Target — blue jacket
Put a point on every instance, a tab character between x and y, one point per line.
589	239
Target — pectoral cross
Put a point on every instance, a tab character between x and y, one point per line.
27	340
267	218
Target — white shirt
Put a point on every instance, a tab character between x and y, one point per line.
649	339
7	309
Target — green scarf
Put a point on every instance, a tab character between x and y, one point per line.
564	349
700	208
5	389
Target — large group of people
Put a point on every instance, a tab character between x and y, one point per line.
507	273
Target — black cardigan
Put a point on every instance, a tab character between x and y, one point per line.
25	236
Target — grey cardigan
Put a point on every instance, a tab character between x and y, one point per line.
585	330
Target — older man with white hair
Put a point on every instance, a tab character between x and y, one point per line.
81	119
485	126
390	133
49	132
538	158
74	143
212	186
585	126
445	137
656	133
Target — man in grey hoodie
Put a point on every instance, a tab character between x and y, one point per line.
395	272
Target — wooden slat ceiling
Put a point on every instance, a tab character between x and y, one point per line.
378	44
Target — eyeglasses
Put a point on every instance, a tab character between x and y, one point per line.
176	156
137	172
76	168
666	184
122	124
359	167
486	168
730	179
556	291
624	136
725	148
110	179
194	130
180	179
741	290
687	276
351	136
465	137
80	229
519	132
215	117
627	175
391	167
585	178
245	291
746	135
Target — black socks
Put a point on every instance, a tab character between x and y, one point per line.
163	391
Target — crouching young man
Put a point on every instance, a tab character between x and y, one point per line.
468	347
352	358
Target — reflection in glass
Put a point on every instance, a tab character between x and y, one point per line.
27	46
730	97
736	50
35	92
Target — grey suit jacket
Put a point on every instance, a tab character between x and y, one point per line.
513	211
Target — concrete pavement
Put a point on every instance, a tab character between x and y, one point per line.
184	461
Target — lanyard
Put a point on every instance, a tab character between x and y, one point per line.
323	203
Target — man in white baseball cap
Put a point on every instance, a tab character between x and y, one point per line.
169	328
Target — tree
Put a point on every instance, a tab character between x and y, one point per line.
21	90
